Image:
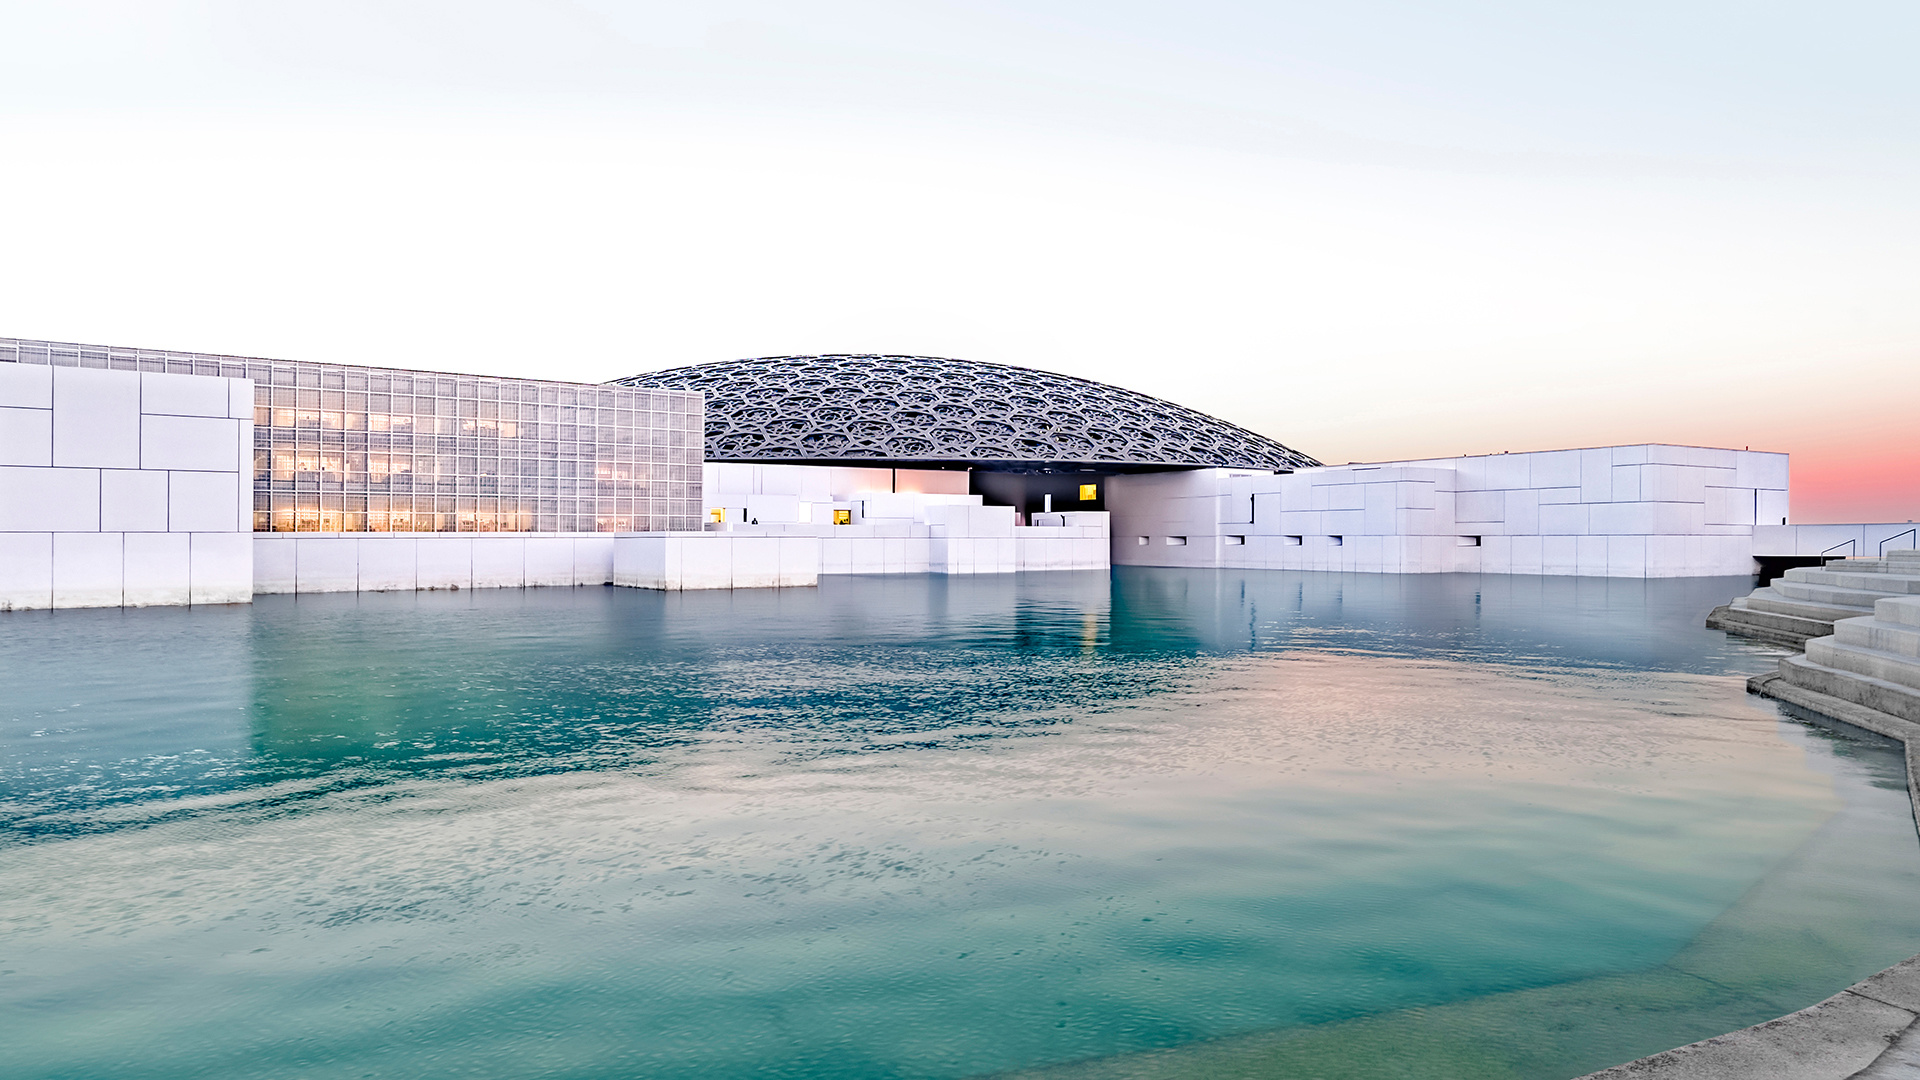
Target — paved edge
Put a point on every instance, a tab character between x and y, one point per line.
1844	1035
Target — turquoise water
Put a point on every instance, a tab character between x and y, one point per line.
1159	823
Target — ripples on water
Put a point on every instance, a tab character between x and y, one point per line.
1169	823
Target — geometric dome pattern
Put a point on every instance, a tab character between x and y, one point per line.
925	409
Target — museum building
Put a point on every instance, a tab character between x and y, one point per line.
136	476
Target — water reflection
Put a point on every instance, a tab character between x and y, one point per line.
913	826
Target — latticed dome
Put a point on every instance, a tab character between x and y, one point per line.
925	410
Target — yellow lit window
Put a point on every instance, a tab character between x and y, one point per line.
1089	492
717	515
843	517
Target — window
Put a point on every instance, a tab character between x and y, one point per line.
1176	541
1336	541
1234	541
1293	541
1089	492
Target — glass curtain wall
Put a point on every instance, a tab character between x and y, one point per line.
340	448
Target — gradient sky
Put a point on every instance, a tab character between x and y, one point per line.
1370	230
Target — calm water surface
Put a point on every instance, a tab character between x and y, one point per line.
1155	824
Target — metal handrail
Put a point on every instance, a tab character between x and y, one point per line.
1913	532
1842	544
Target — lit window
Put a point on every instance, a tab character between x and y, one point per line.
1089	492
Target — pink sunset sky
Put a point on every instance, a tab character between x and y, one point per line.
1371	231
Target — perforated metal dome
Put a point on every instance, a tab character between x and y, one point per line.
924	410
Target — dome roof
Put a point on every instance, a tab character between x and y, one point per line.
925	410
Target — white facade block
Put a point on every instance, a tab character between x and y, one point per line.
499	562
549	560
49	500
26	570
156	569
189	442
87	569
135	500
384	563
26	386
443	561
203	501
593	559
275	568
185	395
26	435
96	418
221	570
324	564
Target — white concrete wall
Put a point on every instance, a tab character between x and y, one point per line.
1073	540
1867	540
704	560
124	488
1622	511
807	494
404	562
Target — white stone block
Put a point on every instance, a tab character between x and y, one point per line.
87	569
326	564
1480	506
1630	455
1666	555
1626	483
755	562
1559	555
1771	507
222	568
1730	506
49	500
386	563
96	418
26	386
1527	554
1590	556
240	399
773	509
26	435
189	442
836	555
156	569
1558	495
550	560
1626	556
1555	468
799	561
499	562
203	501
133	500
707	565
1759	470
593	559
443	561
274	564
1622	518
1596	475
26	568
1564	519
184	395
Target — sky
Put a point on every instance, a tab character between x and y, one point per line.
1371	230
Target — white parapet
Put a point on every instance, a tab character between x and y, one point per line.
405	562
681	561
124	488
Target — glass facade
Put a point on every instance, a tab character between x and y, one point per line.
341	448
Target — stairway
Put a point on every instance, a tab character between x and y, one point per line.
1807	602
1872	661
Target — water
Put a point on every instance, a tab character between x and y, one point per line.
1159	824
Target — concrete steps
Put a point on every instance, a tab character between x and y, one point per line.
1872	661
1806	602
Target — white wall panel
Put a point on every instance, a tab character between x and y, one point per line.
26	570
96	418
183	395
189	442
156	569
202	501
49	500
26	435
26	386
135	500
87	569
